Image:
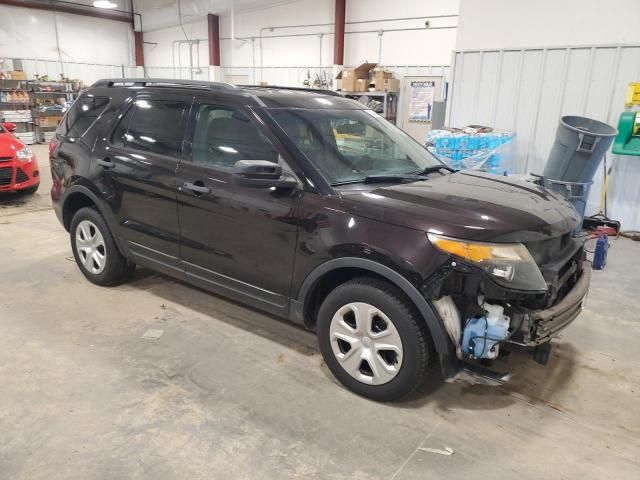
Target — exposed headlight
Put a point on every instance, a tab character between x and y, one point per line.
25	154
510	264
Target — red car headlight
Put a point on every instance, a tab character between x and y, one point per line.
25	154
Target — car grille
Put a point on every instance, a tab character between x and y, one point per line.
6	176
6	159
21	176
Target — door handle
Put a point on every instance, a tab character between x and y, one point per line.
196	187
105	163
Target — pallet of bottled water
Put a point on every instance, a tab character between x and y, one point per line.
464	149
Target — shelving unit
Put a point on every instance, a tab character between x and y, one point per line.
39	110
17	111
47	106
388	100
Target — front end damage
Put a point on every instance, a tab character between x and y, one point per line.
486	319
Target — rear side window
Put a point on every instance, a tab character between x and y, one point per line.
155	126
82	115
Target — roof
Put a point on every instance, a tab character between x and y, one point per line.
267	96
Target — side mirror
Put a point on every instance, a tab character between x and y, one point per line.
261	174
9	126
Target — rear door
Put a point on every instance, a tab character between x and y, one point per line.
139	166
239	241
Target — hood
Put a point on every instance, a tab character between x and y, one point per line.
469	205
9	145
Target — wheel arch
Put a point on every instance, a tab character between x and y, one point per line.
350	267
79	196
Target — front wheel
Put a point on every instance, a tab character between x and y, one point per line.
95	250
374	340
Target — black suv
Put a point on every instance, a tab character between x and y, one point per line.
314	208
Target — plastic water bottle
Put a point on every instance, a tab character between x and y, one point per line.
600	255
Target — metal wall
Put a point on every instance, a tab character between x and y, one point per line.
528	90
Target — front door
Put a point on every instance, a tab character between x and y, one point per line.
139	163
237	240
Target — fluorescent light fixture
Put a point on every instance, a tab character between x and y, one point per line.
104	4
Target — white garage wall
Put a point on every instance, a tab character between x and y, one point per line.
307	49
529	89
519	23
31	33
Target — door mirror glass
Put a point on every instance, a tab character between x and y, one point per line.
261	174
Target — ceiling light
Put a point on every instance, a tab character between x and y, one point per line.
104	4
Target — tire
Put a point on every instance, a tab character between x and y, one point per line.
95	250
396	373
30	190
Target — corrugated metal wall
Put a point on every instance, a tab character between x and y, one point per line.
528	90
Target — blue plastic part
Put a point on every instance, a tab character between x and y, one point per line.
600	255
480	338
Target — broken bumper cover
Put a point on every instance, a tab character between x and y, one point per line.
545	324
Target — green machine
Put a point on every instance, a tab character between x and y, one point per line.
627	141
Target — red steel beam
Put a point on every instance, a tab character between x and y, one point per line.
213	24
139	50
56	7
338	37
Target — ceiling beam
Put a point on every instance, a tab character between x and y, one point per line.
87	11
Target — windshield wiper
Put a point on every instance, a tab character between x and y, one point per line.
435	168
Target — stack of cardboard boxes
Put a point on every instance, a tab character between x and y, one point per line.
360	78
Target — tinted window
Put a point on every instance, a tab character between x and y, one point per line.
82	115
223	136
152	126
117	137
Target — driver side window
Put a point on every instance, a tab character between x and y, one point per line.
223	136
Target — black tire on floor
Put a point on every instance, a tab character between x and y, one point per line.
419	356
117	267
30	190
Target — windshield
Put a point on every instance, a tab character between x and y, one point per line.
347	146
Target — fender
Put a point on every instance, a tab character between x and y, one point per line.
434	324
99	203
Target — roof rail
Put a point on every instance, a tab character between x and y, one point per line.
297	89
160	82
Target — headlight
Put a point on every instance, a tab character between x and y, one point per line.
509	264
25	154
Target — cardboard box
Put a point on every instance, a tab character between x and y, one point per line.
350	76
362	85
51	121
379	76
18	75
391	85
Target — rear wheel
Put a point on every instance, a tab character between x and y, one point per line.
95	250
374	340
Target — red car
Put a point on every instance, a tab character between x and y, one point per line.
18	164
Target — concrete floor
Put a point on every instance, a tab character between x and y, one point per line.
229	393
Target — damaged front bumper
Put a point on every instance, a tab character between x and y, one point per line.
534	318
541	325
